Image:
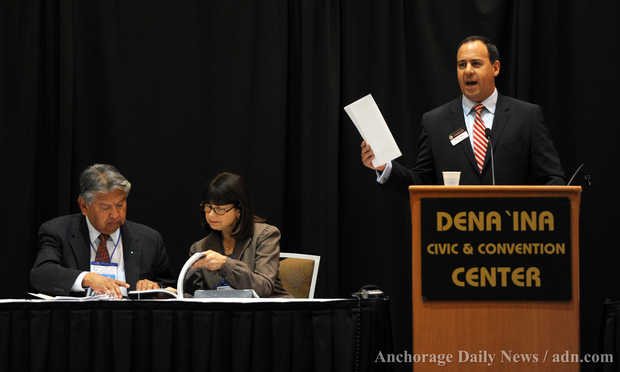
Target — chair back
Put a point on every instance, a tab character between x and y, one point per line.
298	273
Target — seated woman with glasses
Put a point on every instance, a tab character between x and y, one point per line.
240	250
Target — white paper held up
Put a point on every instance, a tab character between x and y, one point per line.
371	125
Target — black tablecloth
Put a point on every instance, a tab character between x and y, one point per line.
187	336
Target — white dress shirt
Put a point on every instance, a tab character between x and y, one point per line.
487	114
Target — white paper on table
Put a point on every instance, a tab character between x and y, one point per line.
374	130
101	297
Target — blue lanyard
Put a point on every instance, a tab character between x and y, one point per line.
115	246
223	282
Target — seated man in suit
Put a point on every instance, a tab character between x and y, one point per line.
98	248
454	135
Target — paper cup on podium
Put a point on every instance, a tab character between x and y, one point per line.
451	178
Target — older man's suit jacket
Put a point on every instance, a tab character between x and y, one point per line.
64	252
523	151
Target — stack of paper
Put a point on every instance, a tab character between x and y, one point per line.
374	130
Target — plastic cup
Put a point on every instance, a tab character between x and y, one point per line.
451	178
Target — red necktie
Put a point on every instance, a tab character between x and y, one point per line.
480	140
102	250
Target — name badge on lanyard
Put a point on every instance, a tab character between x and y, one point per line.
108	269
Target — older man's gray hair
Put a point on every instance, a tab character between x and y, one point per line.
101	178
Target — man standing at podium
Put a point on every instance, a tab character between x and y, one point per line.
459	135
99	249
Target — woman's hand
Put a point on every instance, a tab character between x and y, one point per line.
211	261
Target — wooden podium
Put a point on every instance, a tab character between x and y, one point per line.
524	334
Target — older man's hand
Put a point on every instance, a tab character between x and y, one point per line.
145	285
104	285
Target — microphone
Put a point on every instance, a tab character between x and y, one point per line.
487	133
574	174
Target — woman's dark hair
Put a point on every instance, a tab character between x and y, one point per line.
229	188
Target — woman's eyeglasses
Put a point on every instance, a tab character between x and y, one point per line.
220	211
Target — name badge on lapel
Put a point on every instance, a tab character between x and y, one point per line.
106	269
457	136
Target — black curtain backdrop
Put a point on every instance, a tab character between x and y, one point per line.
174	92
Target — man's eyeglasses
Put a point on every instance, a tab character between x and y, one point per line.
220	211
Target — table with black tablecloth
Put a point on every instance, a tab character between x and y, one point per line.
341	335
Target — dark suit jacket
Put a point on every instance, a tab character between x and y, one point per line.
523	151
64	252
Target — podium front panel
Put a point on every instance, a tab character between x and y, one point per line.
491	334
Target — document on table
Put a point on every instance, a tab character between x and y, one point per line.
261	300
153	294
371	125
43	296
